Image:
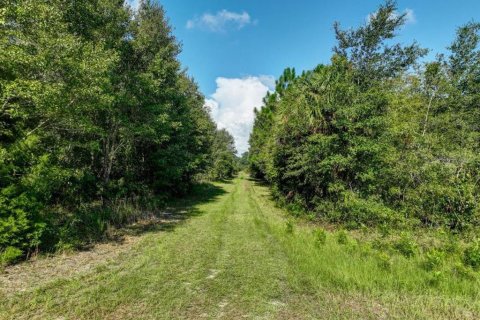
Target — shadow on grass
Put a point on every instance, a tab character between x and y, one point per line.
224	180
174	213
263	183
258	181
107	246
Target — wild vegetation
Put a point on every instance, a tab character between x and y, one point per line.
224	160
376	137
361	200
241	257
97	121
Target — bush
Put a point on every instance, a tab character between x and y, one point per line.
320	237
384	261
20	224
444	200
357	211
366	249
381	245
10	255
471	256
342	237
406	246
452	245
296	208
434	259
463	272
435	278
384	230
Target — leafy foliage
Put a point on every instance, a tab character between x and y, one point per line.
374	138
406	246
95	113
224	159
320	237
9	255
472	255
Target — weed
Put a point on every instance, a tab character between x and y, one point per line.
452	245
406	246
384	261
471	256
320	236
342	237
463	272
381	245
434	259
289	226
10	255
435	278
384	230
366	250
352	225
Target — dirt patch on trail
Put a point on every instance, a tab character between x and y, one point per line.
38	271
44	269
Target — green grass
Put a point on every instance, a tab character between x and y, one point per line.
238	256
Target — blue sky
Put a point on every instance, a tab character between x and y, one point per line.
235	49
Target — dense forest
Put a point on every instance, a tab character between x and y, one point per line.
379	136
98	121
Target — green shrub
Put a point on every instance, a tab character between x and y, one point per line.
471	256
352	225
353	245
296	207
320	237
342	237
10	255
406	246
381	244
19	220
452	246
357	211
435	278
444	200
463	272
366	249
384	230
434	259
384	261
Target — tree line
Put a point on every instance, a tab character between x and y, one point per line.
378	136
98	121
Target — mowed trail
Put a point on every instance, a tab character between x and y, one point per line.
232	259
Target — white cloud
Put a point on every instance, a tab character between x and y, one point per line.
220	21
409	16
233	102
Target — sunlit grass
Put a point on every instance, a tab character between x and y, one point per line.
240	256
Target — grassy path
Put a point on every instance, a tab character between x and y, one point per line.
234	259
